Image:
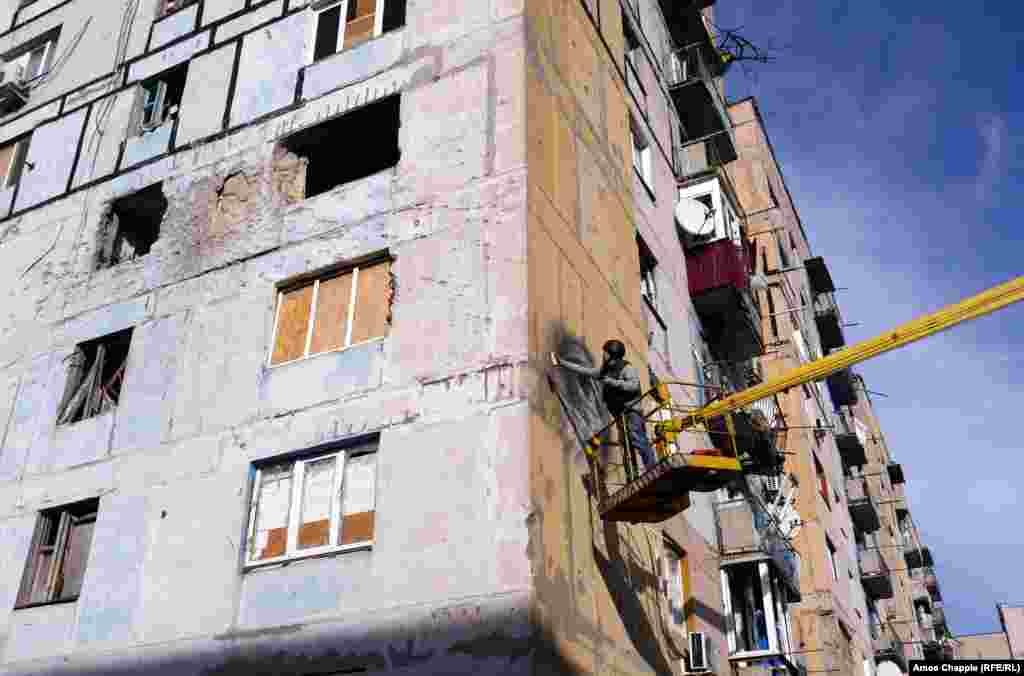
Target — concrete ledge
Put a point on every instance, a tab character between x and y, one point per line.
353	65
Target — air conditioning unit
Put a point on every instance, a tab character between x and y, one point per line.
698	661
13	73
13	90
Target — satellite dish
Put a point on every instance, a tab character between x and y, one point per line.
692	216
887	668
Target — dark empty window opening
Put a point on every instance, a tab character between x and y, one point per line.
326	147
364	20
132	226
95	376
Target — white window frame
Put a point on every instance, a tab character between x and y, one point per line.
642	156
318	8
776	618
22	61
725	219
160	97
312	315
292	551
830	550
679	556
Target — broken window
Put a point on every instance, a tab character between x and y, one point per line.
158	100
313	505
58	554
641	154
757	601
318	146
131	226
95	376
363	20
333	312
12	161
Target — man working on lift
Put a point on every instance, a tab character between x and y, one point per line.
620	384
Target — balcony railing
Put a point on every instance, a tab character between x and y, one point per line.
719	281
874	574
887	645
747	530
829	322
918	590
850	439
862	505
691	73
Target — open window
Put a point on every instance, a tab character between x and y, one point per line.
830	549
341	25
12	161
374	128
676	581
58	554
131	226
642	158
95	376
31	60
159	99
314	504
757	607
332	312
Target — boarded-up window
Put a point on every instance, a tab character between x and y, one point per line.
58	554
313	505
12	159
332	313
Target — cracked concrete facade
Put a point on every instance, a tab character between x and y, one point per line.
511	216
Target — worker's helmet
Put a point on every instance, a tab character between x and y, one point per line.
615	349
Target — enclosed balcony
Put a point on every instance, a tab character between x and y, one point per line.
939	617
862	506
850	440
931	583
874	574
818	276
829	322
719	279
895	473
918	592
916	556
13	93
746	532
887	646
692	74
842	388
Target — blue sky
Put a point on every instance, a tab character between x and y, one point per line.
899	127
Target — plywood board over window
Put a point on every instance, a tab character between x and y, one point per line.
333	312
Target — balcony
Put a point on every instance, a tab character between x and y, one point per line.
887	645
916	557
895	473
746	532
931	583
874	574
862	506
918	592
719	279
818	276
850	440
841	388
829	322
691	75
939	618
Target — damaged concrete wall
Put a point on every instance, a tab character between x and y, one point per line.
445	587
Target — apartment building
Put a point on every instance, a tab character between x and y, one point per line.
275	395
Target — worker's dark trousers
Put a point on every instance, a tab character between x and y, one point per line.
638	437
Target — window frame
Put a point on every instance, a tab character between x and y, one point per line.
311	320
772	603
643	155
16	164
61	519
23	58
673	552
318	8
298	463
831	550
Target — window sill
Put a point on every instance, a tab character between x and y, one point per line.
40	604
752	654
353	346
320	552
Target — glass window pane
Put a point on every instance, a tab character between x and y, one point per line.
317	492
331	323
358	499
361	18
675	587
35	61
292	325
40	575
273	505
327	32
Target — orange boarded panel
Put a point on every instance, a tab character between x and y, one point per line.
277	541
331	324
372	300
292	325
6	153
360	29
315	534
356	528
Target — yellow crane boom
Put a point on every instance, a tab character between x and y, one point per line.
970	308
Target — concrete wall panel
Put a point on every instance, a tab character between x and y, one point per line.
16	534
281	48
215	10
52	153
112	586
28	121
246	21
31	418
100	150
206	95
168	58
146	146
40	632
73	444
353	65
173	27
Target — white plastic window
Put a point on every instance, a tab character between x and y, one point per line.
312	506
345	24
642	158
